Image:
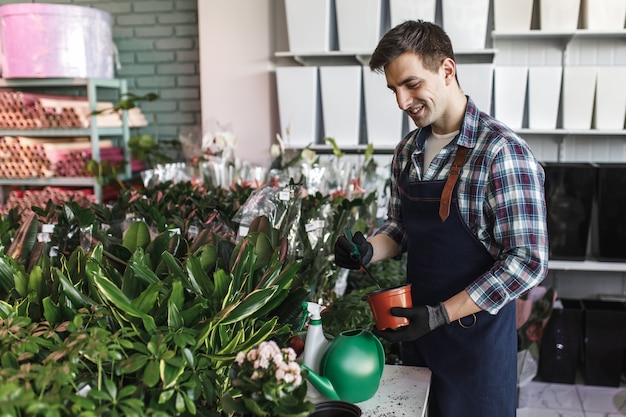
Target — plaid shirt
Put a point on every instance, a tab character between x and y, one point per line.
501	198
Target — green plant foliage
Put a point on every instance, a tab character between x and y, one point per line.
89	339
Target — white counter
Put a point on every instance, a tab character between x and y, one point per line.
403	392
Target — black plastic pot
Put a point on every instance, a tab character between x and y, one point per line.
336	409
611	209
605	341
561	344
570	190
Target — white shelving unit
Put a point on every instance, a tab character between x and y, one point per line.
559	144
92	87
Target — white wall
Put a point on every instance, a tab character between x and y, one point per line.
236	73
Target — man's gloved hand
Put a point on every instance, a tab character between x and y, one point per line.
352	253
422	319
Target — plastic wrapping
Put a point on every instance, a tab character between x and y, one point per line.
42	40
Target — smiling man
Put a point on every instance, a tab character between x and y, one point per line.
467	204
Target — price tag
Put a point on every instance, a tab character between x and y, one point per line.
284	195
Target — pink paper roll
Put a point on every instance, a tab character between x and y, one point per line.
41	40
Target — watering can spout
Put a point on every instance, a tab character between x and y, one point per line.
322	384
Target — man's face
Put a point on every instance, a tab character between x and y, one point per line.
420	93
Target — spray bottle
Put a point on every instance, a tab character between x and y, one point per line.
315	342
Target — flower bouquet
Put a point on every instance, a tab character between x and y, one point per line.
267	381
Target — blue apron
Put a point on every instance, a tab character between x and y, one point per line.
473	360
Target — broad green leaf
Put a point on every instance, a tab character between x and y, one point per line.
198	278
169	373
223	284
5	309
51	311
158	246
174	319
165	396
176	269
77	298
285	278
147	299
246	307
115	296
189	403
177	295
150	375
144	273
180	402
263	333
262	248
134	363
37	284
7	266
21	282
191	313
137	236
208	258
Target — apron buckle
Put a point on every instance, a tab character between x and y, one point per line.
467	326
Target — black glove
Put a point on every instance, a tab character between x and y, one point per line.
422	319
353	254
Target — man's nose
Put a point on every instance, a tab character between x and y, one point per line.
404	100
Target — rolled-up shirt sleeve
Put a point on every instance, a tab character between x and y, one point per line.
515	206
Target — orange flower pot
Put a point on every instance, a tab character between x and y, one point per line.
381	301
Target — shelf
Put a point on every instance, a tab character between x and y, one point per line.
362	57
92	88
60	82
565	36
62	133
569	132
354	149
50	181
594	266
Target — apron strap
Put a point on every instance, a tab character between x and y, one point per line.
453	176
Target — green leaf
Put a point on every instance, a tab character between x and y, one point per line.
248	306
137	236
169	373
157	247
165	396
133	363
77	298
208	258
51	311
115	296
21	282
174	319
150	375
147	299
175	268
198	278
189	403
7	267
223	285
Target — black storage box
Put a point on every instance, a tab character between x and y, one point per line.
570	190
612	212
605	341
561	344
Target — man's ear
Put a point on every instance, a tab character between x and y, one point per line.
449	68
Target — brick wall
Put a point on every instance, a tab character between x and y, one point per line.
158	51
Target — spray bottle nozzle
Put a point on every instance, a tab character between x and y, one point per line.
312	311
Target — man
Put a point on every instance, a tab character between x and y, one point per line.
467	204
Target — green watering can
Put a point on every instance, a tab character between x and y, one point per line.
351	367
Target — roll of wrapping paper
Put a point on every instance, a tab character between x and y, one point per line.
23	200
24	157
21	110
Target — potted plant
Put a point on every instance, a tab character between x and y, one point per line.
267	381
